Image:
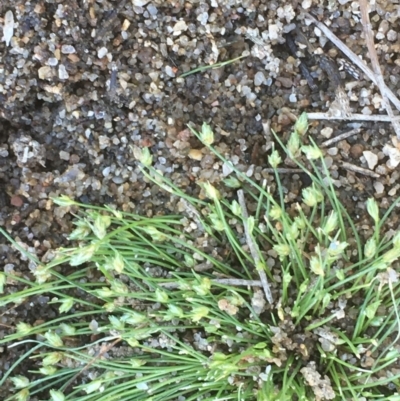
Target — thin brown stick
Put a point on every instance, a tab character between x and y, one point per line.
369	38
340	137
353	58
359	170
253	247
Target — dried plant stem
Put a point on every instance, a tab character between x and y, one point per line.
354	59
340	137
253	247
369	38
359	170
238	282
355	117
224	281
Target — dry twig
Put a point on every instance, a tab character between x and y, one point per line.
359	170
354	58
340	137
369	38
253	247
355	117
224	281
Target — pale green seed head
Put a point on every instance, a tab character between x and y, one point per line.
293	145
206	135
22	395
64	200
198	313
142	155
83	254
3	280
42	274
370	248
274	160
390	256
316	266
235	207
53	339
216	222
57	395
100	225
23	328
203	288
308	197
232	182
67	329
48	370
211	192
275	212
396	240
20	381
155	234
52	358
292	233
118	263
116	323
119	287
66	305
336	248
161	296
92	386
312	152
301	125
283	250
133	318
176	311
373	209
331	223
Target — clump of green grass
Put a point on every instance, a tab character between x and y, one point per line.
285	303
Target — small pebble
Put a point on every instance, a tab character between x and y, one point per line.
45	72
169	71
195	154
52	61
16	201
62	72
391	35
379	187
327	132
64	155
356	150
259	78
180	26
67	49
102	52
371	158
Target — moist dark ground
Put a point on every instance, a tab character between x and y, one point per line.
66	126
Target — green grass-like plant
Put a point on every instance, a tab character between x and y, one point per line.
287	302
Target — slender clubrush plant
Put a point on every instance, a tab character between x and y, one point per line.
255	298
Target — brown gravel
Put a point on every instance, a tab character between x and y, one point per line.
80	81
